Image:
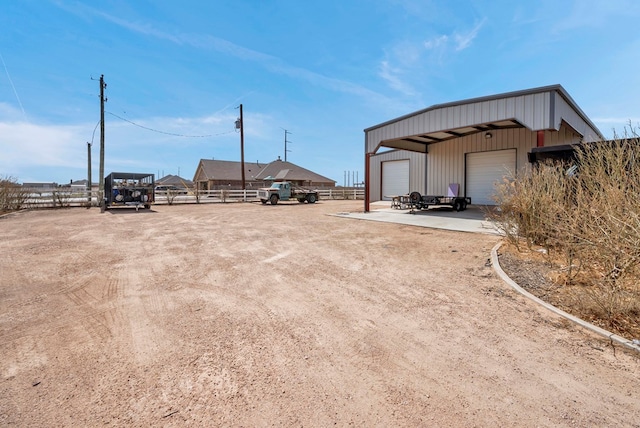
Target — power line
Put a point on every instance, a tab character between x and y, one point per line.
167	133
6	70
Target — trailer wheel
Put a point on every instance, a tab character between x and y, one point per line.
311	198
415	197
457	205
273	199
464	205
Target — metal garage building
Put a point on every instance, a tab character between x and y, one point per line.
471	143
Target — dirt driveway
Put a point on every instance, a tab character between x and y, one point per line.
251	315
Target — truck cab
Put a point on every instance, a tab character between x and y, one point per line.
284	190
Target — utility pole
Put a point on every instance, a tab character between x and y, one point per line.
240	125
285	143
101	177
88	175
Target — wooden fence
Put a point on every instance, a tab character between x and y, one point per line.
61	198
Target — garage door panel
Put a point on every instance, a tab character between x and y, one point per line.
484	169
395	178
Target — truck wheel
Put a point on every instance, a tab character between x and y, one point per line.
311	198
273	199
264	201
301	200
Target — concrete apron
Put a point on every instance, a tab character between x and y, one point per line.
472	220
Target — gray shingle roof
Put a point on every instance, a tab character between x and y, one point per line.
174	180
231	170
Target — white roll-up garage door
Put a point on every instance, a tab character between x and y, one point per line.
484	169
395	178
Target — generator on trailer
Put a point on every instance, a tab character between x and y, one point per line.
128	189
286	191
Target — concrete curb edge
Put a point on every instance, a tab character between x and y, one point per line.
602	332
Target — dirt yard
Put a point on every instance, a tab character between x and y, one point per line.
251	315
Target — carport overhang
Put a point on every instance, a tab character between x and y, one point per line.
420	143
540	109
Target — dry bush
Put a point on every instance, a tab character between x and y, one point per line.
61	198
12	195
605	232
531	205
590	220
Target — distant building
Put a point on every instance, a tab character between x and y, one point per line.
174	180
81	184
40	186
216	174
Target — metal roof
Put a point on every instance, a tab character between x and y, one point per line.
543	108
128	176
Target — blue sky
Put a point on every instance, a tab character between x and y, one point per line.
176	72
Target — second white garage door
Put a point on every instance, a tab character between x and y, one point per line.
395	178
484	169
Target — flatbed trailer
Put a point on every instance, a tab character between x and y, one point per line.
419	202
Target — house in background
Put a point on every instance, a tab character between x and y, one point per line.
216	174
174	180
82	184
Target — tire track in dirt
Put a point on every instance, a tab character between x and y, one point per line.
80	282
360	324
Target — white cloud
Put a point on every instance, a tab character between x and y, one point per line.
27	144
437	42
269	62
394	78
460	41
463	41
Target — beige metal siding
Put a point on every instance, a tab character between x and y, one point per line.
564	111
417	172
445	161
